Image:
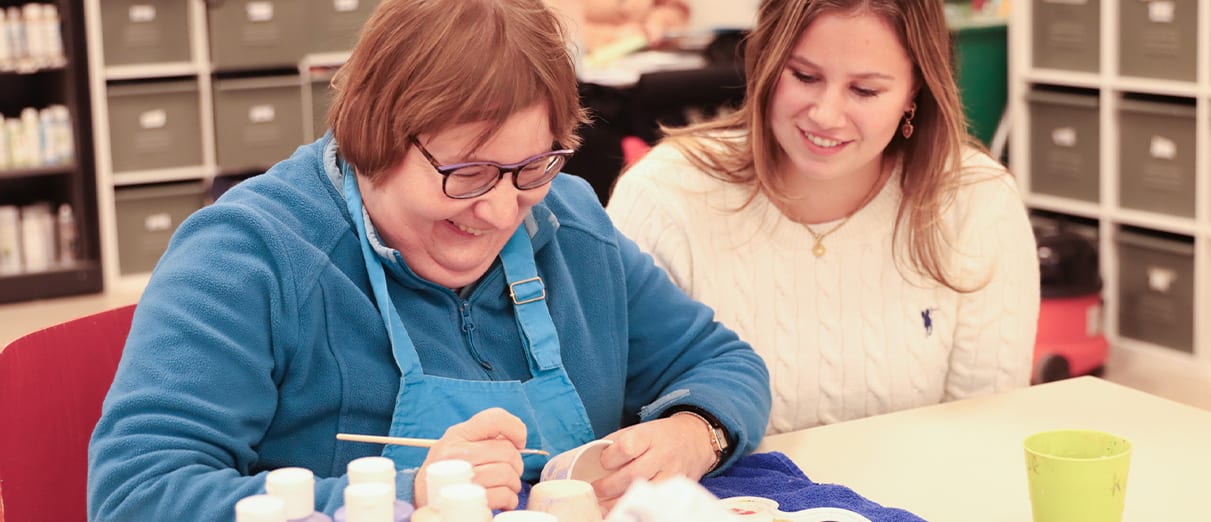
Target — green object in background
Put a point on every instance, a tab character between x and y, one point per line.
982	71
1077	475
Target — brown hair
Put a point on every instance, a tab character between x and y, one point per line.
420	66
931	159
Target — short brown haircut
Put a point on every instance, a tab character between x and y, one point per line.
421	66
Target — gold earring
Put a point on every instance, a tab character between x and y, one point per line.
907	128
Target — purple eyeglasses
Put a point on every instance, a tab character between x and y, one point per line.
476	178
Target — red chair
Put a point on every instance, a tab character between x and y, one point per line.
52	383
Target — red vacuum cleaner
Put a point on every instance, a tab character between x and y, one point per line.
1069	341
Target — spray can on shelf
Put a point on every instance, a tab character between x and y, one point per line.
296	488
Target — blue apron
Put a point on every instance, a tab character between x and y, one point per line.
427	405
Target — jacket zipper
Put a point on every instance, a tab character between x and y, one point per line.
468	328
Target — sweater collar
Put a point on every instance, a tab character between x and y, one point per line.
876	217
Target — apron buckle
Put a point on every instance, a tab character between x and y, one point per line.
521	296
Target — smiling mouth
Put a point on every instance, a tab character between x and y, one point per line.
822	141
468	230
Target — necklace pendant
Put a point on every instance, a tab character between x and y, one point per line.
819	249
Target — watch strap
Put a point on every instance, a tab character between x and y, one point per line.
718	438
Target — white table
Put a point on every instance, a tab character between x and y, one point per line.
963	461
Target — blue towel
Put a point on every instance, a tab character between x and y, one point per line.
774	476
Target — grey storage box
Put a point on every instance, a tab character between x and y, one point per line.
154	125
145	31
1066	34
147	216
258	121
1156	290
1064	136
1158	39
1156	157
256	34
333	25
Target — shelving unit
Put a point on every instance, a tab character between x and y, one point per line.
71	182
191	96
1136	163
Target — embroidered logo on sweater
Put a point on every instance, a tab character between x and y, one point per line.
927	319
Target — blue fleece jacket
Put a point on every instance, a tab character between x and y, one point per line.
258	339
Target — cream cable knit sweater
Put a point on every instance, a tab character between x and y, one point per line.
847	335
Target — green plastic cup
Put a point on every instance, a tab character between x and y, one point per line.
1077	475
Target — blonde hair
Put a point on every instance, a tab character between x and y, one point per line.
420	66
932	159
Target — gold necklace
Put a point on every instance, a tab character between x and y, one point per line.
818	250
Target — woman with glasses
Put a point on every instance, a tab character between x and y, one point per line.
843	221
421	271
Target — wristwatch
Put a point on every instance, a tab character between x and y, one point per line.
718	434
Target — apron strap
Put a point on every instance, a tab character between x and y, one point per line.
529	296
406	358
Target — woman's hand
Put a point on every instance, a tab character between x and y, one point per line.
490	441
654	450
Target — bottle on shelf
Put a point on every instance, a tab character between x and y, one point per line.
6	160
260	508
10	240
37	237
6	51
68	235
52	36
15	33
15	135
63	139
31	146
31	14
296	488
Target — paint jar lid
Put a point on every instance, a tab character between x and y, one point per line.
372	469
260	508
296	487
